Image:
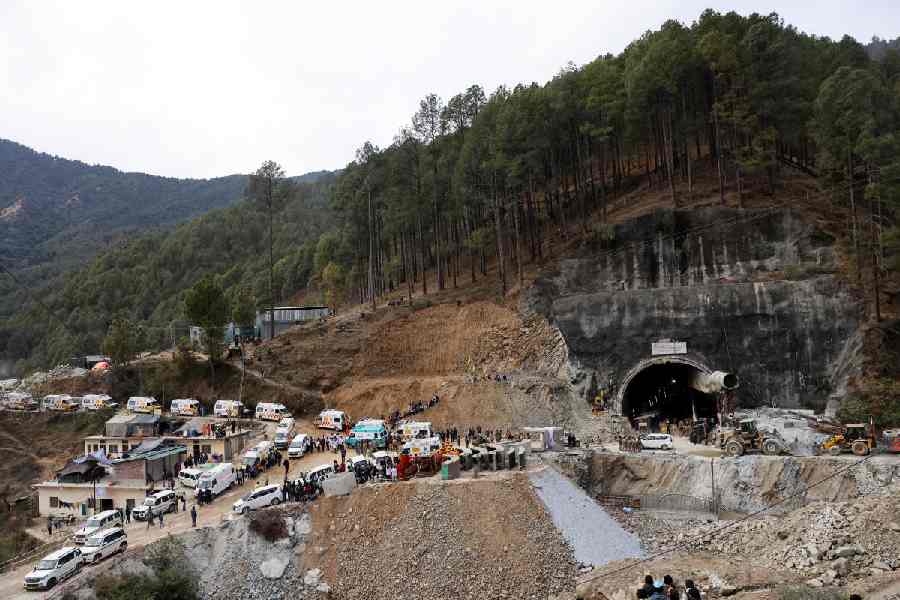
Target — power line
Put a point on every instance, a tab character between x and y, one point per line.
730	525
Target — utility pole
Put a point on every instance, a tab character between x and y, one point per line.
712	475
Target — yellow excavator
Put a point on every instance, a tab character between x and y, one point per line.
857	438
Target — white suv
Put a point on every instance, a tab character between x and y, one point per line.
54	568
104	543
657	441
163	501
268	495
103	520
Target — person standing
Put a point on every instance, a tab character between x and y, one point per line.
193	516
49	527
149	517
161	519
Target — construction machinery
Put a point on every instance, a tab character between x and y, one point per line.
746	437
858	438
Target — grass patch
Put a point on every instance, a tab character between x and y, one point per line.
172	578
805	592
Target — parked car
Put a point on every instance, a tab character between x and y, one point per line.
261	497
103	544
657	441
163	501
298	446
100	521
54	568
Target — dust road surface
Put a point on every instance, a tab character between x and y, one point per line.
595	537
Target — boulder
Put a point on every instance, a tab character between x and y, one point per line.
324	588
841	566
273	568
312	577
846	551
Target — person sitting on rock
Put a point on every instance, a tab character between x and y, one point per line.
671	589
690	590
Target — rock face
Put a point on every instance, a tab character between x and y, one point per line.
750	292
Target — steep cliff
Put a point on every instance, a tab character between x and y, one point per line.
753	292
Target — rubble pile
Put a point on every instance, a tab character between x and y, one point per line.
39	378
485	539
829	543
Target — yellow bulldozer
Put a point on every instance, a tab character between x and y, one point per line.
857	438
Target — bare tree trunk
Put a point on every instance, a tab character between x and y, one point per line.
853	218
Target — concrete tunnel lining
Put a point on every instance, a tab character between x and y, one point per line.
687	361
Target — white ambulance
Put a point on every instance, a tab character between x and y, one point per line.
229	409
141	404
270	411
185	407
332	419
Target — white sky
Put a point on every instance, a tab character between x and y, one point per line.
208	88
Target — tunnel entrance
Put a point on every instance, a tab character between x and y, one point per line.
662	392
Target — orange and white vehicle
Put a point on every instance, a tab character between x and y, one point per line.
185	407
61	403
331	419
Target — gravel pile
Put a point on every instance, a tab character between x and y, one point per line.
829	542
595	537
235	563
482	539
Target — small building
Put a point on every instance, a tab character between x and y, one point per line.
116	483
213	439
288	316
128	425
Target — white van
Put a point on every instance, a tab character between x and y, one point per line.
218	479
269	411
104	543
96	402
320	473
163	501
261	497
54	568
657	441
229	409
410	430
283	432
185	407
140	404
102	520
188	476
258	453
331	419
61	403
297	449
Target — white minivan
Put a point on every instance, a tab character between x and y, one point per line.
261	497
102	520
657	441
104	543
298	446
189	475
163	501
53	568
218	479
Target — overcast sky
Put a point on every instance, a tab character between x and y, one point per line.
200	89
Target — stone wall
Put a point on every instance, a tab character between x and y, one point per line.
749	292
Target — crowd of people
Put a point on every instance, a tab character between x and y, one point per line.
667	589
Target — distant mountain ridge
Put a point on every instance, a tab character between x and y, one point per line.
52	206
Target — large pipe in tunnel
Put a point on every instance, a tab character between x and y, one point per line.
713	383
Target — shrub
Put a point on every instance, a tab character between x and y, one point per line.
172	577
269	524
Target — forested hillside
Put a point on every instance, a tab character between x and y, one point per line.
495	178
500	174
55	214
144	277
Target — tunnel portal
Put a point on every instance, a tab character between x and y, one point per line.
663	391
